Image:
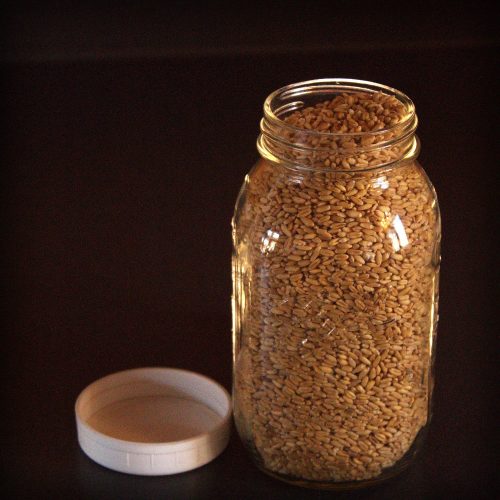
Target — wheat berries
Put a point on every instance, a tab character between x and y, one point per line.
335	291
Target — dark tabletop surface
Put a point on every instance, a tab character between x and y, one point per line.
125	140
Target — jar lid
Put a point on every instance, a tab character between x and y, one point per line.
153	421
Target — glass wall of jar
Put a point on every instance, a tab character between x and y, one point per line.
336	238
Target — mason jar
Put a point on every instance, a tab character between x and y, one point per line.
336	236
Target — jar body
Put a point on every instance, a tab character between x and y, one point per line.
335	290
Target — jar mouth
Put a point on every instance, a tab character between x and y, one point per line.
284	142
276	105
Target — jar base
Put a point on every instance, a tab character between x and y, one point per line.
398	468
331	485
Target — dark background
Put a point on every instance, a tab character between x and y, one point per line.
127	129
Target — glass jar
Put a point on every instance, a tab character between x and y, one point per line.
336	257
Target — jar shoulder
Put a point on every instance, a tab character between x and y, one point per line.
314	207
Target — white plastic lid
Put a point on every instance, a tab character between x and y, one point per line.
153	421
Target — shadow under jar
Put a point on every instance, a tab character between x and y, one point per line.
336	238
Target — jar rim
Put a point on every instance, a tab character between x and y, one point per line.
334	86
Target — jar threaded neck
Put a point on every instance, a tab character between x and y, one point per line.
314	146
